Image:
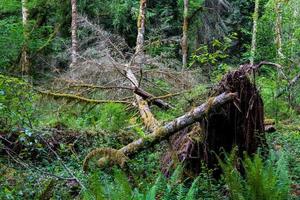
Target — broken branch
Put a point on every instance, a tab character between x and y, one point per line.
83	99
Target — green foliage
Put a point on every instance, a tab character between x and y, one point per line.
210	57
270	83
172	188
262	180
108	117
204	57
11	40
16	103
287	140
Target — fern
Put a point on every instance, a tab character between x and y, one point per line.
267	180
158	186
193	189
122	188
95	189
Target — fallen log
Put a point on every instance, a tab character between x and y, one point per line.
162	132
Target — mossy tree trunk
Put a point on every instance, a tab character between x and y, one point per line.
24	62
278	29
254	31
74	50
184	41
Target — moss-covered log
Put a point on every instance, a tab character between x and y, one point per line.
165	131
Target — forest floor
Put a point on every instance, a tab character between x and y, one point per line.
45	162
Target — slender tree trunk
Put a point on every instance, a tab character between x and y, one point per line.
254	31
184	41
139	49
24	62
278	31
148	118
74	33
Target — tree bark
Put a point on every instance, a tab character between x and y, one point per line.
74	50
184	41
178	124
254	31
139	49
24	62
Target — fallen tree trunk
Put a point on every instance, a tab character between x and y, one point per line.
148	118
162	132
137	90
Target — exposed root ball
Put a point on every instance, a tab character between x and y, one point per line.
240	123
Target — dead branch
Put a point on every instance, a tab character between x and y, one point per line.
291	84
82	99
145	95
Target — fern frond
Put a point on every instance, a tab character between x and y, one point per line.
193	190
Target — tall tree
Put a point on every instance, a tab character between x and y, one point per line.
74	33
24	62
254	31
278	29
184	40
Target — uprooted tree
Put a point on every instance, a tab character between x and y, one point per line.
234	116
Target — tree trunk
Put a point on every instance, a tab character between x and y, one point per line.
254	31
278	39
149	120
184	42
24	62
74	33
139	49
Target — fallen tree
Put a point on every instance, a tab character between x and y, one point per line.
234	117
160	133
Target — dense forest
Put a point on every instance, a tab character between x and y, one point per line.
149	99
